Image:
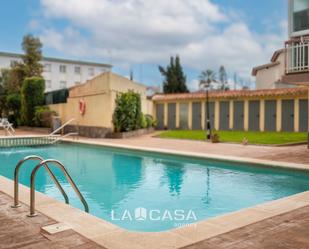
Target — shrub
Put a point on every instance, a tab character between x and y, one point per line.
43	116
32	95
143	122
127	114
13	103
149	120
215	138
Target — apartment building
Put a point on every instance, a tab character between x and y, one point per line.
60	73
289	66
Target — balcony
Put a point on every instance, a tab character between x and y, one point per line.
297	57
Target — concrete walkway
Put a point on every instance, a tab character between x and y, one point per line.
19	231
295	154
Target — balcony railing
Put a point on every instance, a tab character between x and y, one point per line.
297	57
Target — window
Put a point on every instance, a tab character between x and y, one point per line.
63	84
62	69
48	84
91	71
77	70
300	15
47	67
103	70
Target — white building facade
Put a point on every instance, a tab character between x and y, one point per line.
60	73
291	67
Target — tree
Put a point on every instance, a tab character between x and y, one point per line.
16	77
32	95
223	78
207	78
174	77
32	48
4	75
235	81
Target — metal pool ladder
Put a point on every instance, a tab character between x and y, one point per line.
32	182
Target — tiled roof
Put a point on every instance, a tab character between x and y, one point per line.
234	94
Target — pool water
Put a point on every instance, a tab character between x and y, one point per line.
153	192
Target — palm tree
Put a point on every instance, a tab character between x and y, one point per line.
207	77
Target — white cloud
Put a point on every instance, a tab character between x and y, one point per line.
137	31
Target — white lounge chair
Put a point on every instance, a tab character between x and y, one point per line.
7	126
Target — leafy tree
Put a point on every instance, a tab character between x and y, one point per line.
32	95
174	77
16	77
32	48
223	78
207	79
4	75
11	80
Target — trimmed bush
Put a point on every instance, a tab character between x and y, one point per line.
32	95
43	116
127	114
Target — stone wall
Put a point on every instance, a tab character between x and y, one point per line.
88	131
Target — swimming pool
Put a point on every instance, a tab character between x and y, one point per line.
154	192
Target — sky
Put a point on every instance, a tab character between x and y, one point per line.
139	35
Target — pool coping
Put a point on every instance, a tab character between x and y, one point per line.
113	237
196	155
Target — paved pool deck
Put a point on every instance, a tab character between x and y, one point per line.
288	228
286	231
19	231
294	154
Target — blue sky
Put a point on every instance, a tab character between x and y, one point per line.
140	35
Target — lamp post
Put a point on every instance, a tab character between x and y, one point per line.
208	126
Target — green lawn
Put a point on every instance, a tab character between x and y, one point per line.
238	136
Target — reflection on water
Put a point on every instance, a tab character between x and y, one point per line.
173	174
118	180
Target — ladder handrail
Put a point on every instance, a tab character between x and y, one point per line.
16	179
62	126
67	175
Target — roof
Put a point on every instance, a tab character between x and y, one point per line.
265	66
52	59
276	54
273	62
232	94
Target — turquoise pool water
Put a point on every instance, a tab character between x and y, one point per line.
154	192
